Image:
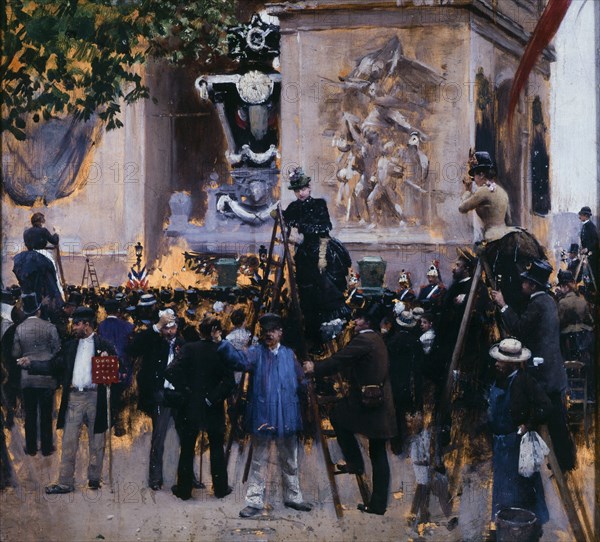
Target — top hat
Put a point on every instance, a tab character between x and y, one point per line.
30	304
574	248
270	321
178	294
585	210
75	298
510	350
298	179
480	161
538	272
83	314
165	295
193	296
564	277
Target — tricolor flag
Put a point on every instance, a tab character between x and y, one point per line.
138	279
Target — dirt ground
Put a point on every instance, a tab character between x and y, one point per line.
130	511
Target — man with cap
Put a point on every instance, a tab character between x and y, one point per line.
82	401
273	415
365	359
119	332
588	237
38	340
157	347
322	262
517	404
538	328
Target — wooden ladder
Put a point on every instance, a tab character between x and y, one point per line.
89	274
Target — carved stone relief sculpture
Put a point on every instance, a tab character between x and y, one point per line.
381	167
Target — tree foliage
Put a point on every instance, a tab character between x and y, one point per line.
83	57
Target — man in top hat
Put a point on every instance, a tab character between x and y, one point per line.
489	200
538	328
366	359
38	340
157	347
273	415
517	404
82	401
588	237
119	332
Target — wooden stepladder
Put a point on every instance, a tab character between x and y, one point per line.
90	276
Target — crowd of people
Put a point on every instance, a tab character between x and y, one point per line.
182	353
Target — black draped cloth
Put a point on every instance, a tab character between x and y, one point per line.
321	294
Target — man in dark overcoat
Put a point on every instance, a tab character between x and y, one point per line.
204	373
538	328
157	346
365	358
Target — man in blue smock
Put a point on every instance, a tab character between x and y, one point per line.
273	415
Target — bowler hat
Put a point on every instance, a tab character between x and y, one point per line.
510	350
270	321
585	210
30	304
538	272
298	179
371	313
481	161
83	314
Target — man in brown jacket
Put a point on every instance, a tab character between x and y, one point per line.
365	359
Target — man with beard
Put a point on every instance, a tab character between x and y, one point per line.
157	346
82	401
273	415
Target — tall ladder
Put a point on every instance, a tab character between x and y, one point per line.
89	274
282	265
566	485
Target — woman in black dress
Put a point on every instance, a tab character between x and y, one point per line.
322	262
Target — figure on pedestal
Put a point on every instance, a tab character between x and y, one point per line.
322	262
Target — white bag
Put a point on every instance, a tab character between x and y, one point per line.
531	454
